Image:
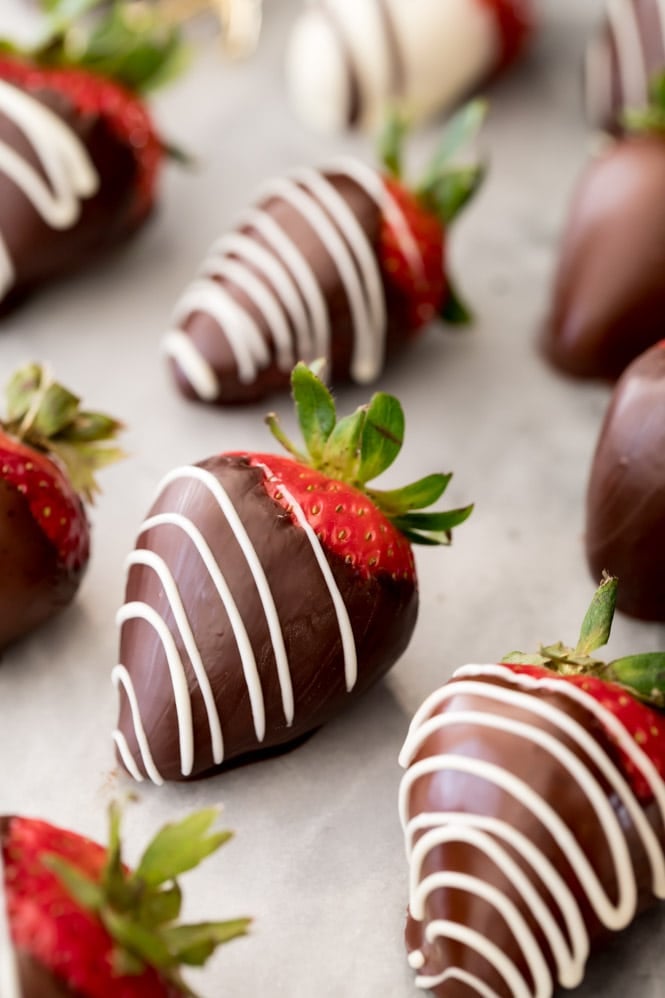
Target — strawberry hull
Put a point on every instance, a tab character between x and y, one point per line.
286	647
92	206
34	583
528	848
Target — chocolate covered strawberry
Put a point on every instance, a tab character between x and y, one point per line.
609	291
83	925
346	63
49	451
266	593
533	805
346	263
79	154
625	507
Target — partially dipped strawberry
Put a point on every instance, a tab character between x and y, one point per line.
533	804
266	593
346	263
49	451
79	154
609	289
83	925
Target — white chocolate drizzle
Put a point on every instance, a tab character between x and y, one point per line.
65	161
621	40
137	609
10	986
283	286
427	831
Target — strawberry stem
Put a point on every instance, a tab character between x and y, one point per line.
649	119
360	447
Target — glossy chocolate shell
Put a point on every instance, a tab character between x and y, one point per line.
240	633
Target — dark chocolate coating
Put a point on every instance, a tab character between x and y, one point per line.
382	612
610	80
608	301
37	982
625	511
34	584
210	339
445	791
39	252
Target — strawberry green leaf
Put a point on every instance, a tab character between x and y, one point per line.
644	675
142	942
461	129
179	847
194	944
391	142
21	390
89	427
57	409
454	311
449	193
432	525
597	623
85	891
161	907
341	455
315	408
419	494
125	964
82	461
523	658
275	427
382	436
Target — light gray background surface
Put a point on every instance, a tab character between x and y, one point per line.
318	857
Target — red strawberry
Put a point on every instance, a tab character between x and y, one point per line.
84	925
265	593
534	805
345	263
81	125
49	451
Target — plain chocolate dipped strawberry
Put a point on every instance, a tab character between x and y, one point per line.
266	593
533	805
79	154
345	263
608	298
626	52
625	506
82	925
49	451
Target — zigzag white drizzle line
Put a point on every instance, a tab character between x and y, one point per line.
441	928
457	826
200	374
219	493
263	298
424	724
344	624
63	157
301	268
622	18
370	349
249	348
364	364
243	248
457	974
142	556
373	185
120	677
137	610
10	986
577	733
